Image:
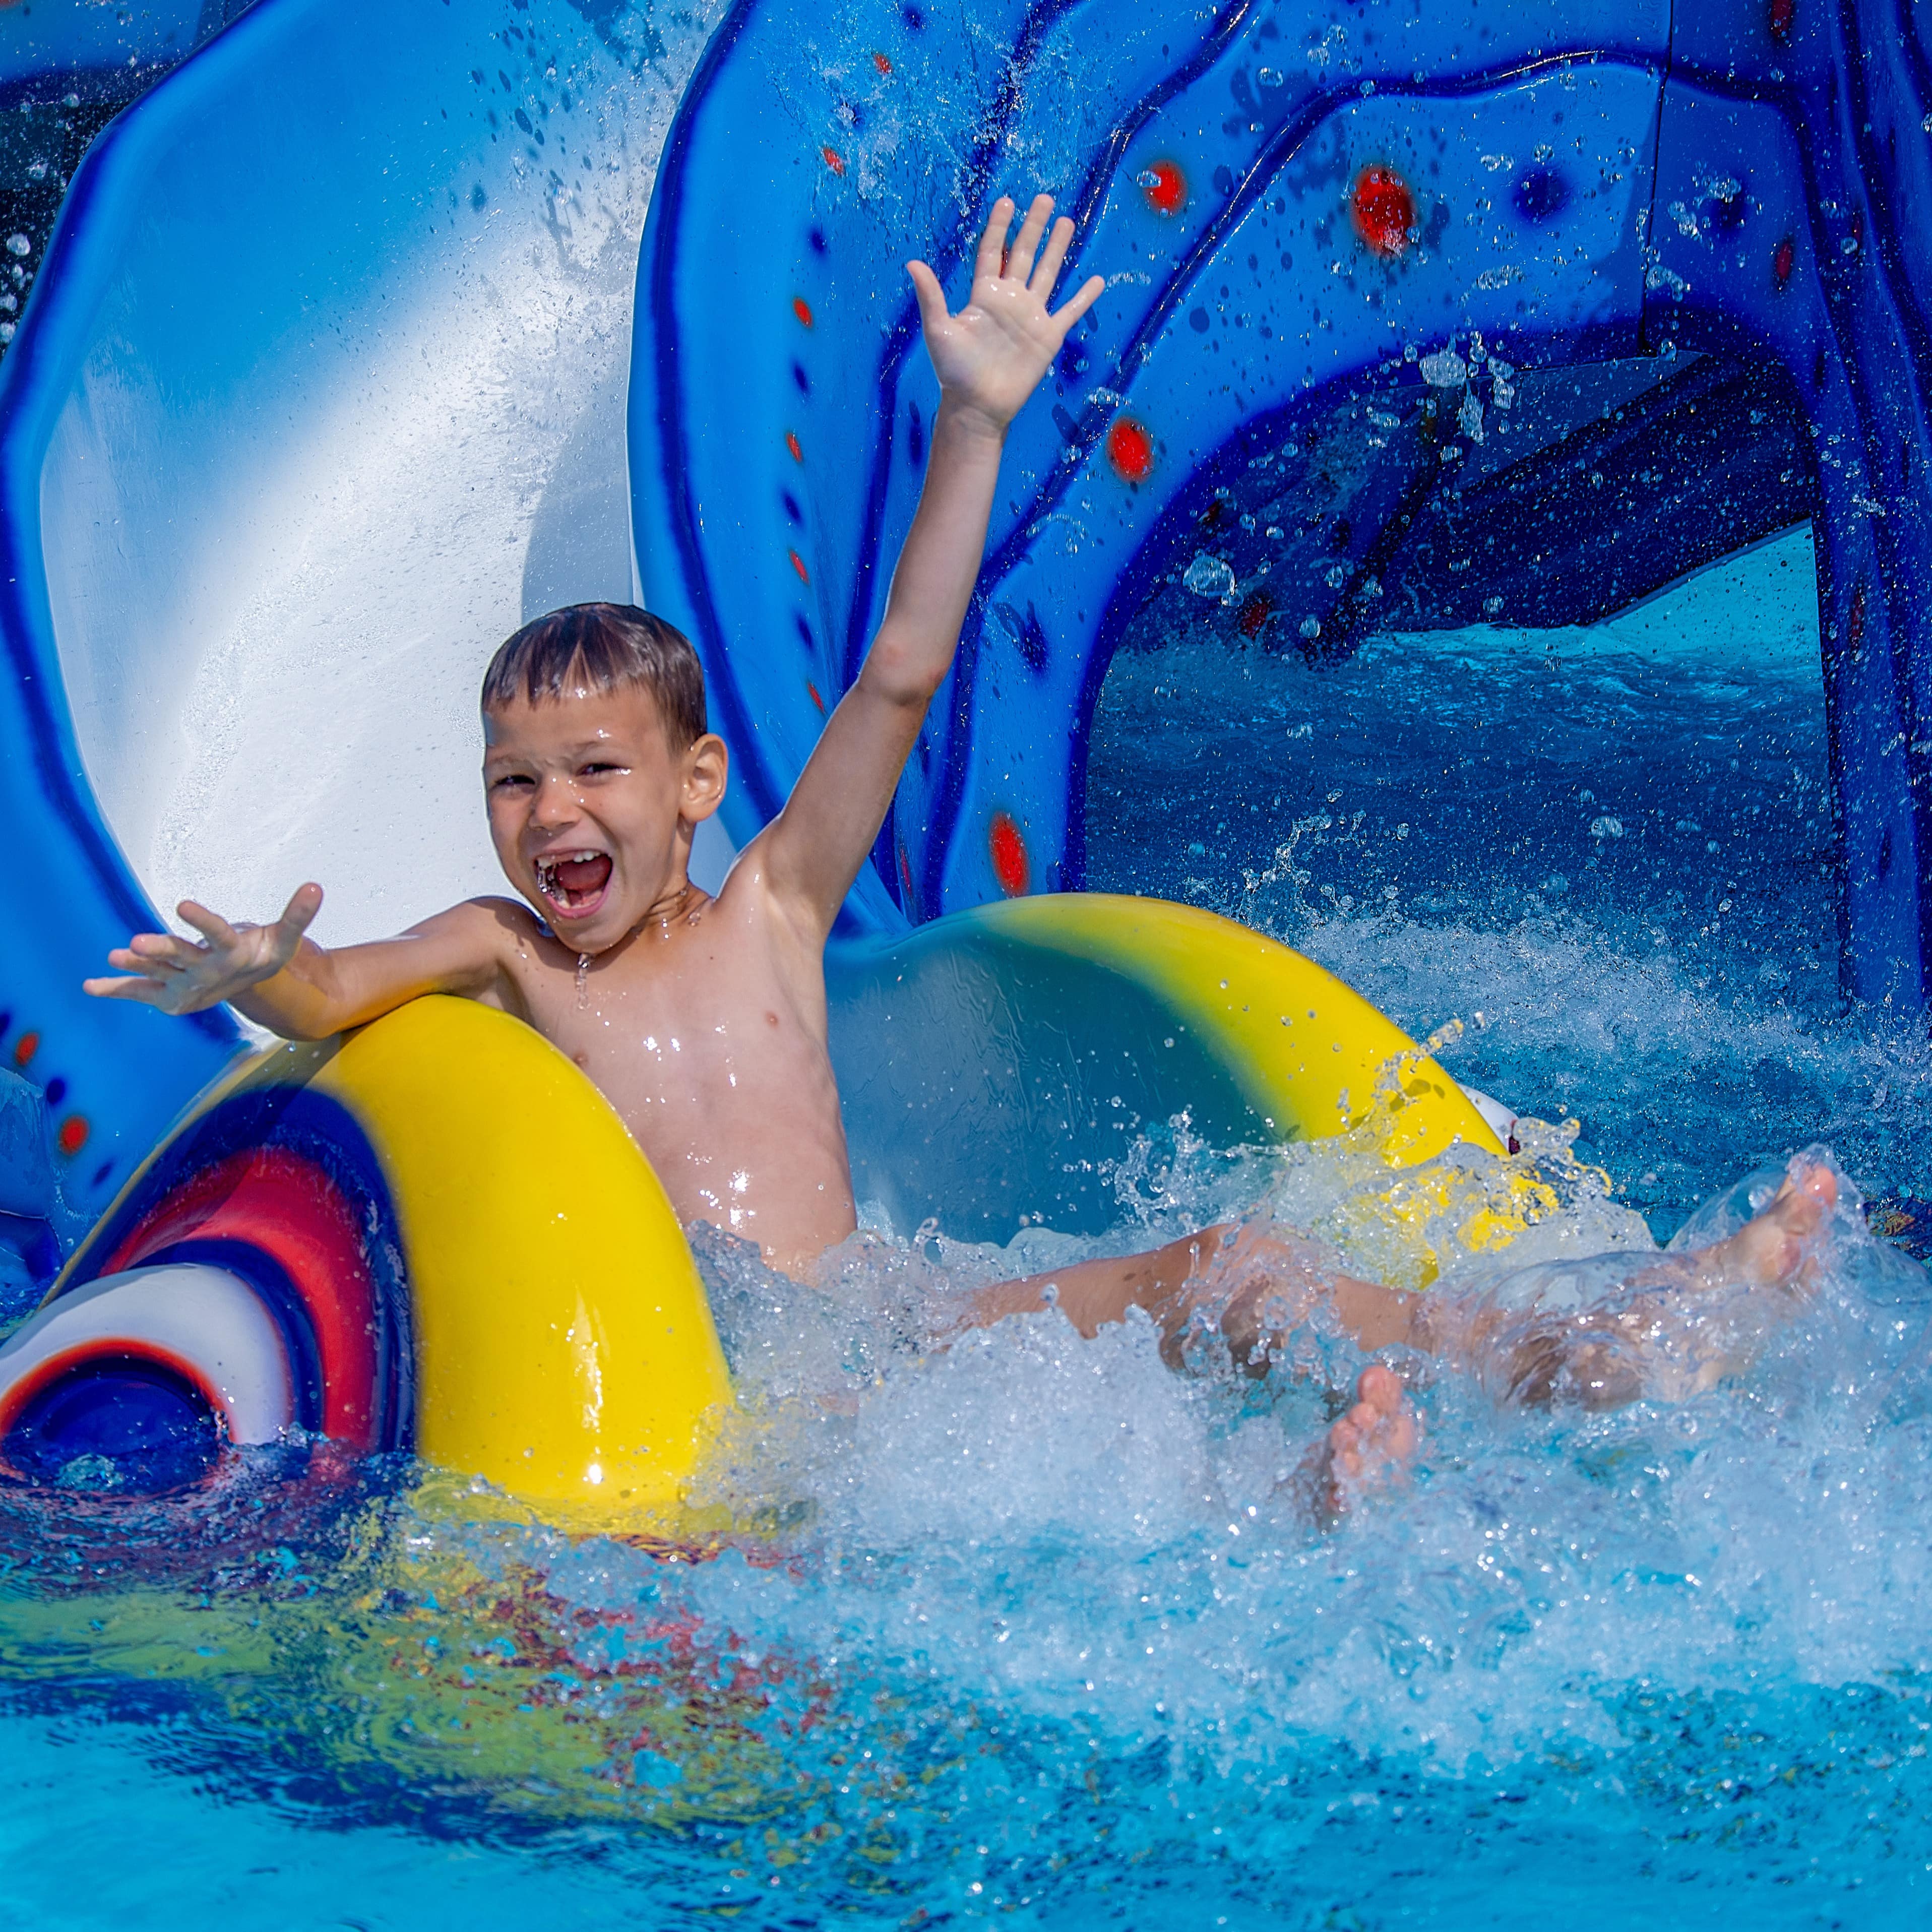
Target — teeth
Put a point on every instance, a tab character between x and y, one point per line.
548	881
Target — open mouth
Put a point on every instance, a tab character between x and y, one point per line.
574	883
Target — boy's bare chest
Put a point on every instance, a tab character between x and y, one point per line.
682	1024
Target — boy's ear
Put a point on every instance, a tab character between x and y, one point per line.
707	765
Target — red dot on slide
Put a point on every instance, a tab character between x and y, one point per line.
1784	261
1782	17
1383	210
1010	865
1164	186
73	1134
1130	450
801	309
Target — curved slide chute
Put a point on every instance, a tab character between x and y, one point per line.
318	393
1351	224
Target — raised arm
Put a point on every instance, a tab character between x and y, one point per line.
989	358
284	981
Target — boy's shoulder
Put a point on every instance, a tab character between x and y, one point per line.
495	922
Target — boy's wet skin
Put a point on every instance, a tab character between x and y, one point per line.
702	1020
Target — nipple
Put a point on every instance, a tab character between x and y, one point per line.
582	981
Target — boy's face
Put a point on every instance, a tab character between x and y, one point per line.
591	811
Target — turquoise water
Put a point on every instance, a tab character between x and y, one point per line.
1614	845
1038	1635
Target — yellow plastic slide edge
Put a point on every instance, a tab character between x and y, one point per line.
563	1340
1311	1056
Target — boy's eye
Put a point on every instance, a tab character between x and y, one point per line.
598	771
510	781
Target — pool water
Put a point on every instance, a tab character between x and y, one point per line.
1036	1631
1609	852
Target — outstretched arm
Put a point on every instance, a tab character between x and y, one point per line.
287	983
989	358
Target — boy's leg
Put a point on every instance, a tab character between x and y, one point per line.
1653	1331
1239	1270
1245	1271
1678	1323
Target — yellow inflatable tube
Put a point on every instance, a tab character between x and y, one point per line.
1314	1060
444	1192
446	1176
1002	1059
1312	1056
564	1344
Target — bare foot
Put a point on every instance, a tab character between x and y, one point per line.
1664	1339
1374	1442
1771	1249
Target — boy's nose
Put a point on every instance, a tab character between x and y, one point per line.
555	803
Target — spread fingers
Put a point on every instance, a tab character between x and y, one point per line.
1019	263
211	925
1052	256
146	992
1079	302
157	952
993	242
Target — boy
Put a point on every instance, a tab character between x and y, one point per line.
702	1019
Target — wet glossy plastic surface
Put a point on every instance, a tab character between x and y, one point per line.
1370	219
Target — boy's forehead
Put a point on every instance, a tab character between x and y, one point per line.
582	716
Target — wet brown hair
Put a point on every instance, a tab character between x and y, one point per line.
603	646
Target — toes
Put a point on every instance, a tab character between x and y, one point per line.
1817	1186
1374	1440
1380	1424
1796	1209
1771	1248
1378	1389
1809	1193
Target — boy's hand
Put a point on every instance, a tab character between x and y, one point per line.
990	356
182	976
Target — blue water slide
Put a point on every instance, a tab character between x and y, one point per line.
318	389
1340	238
59	47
